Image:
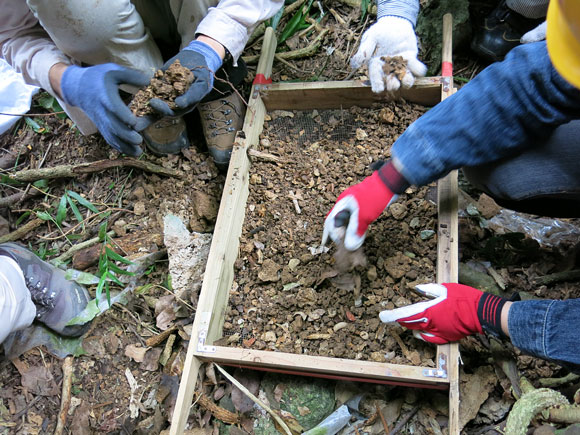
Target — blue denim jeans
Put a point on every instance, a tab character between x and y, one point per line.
547	329
503	128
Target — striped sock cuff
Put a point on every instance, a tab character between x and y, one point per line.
489	313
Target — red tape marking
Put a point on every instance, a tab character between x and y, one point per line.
446	69
261	79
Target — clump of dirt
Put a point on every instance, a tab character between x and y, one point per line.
289	296
396	65
165	85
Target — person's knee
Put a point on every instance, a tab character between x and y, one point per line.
86	30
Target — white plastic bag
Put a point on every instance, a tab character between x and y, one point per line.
15	95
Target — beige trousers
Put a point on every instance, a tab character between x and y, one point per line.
93	32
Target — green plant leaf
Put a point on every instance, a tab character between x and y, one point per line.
46	100
117	269
112	254
75	209
103	232
43	215
113	278
61	211
83	201
35	125
21	218
100	286
364	7
40	184
84	278
296	23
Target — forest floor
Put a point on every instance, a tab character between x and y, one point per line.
126	369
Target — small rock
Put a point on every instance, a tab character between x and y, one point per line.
269	337
293	264
398	210
339	326
139	208
372	273
269	271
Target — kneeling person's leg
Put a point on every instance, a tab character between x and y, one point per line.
542	180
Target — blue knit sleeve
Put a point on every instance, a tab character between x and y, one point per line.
408	9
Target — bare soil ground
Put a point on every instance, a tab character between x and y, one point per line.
127	380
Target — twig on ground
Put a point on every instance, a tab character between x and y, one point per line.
217	411
372	8
385	424
294	54
570	275
66	171
67	372
18	197
21	231
404	421
79	246
257	401
295	202
264	156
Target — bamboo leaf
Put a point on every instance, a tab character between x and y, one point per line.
82	201
61	211
75	209
112	254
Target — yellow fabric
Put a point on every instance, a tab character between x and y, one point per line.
563	38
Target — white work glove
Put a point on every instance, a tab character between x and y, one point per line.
390	36
535	35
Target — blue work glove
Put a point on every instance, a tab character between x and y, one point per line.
203	61
95	90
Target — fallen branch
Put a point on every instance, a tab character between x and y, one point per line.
17	197
570	275
80	246
257	401
294	54
67	372
21	231
217	411
66	171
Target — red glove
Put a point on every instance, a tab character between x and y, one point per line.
456	312
364	203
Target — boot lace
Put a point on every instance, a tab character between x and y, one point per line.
221	124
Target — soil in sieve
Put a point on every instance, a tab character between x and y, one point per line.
286	296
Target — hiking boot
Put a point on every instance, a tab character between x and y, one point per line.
501	31
57	299
166	136
220	120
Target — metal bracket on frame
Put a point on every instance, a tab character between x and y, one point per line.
202	334
440	371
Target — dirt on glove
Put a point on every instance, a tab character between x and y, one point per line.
165	85
395	65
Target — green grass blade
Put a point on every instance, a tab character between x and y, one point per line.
83	201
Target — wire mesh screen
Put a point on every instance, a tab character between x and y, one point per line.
314	125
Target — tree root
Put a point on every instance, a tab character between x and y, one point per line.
66	171
529	405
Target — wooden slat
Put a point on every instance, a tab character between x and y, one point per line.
448	243
218	276
398	374
334	94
